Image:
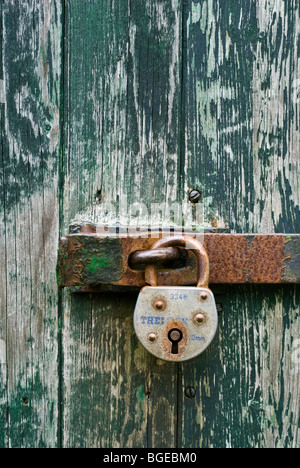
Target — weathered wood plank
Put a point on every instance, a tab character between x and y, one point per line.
247	383
121	397
241	149
242	112
124	119
124	125
30	96
123	98
3	372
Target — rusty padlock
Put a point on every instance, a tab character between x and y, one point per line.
177	323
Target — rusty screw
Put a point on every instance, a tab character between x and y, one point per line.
190	393
195	196
204	296
199	318
152	337
159	305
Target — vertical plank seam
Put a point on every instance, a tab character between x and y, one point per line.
61	168
181	184
178	406
5	230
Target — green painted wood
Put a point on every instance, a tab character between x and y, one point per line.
123	100
234	137
241	112
158	98
122	141
116	394
30	65
247	383
241	149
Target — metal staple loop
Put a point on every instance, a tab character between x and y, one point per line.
186	242
148	257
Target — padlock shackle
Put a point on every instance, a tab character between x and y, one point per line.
188	243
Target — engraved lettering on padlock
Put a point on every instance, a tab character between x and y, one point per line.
188	322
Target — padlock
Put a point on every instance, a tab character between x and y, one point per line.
177	323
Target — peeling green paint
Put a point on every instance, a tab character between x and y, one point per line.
27	105
30	93
99	256
141	394
292	262
159	97
95	263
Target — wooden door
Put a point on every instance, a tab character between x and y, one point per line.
140	101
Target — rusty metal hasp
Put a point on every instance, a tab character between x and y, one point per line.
93	262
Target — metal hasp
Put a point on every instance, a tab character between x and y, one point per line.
91	262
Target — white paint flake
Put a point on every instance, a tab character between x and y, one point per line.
2	352
2	92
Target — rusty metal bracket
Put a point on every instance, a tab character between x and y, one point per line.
92	262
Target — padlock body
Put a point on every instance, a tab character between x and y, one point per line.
175	323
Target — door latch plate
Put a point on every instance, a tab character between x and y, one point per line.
92	262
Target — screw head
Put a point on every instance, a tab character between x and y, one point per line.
190	393
199	318
204	296
195	196
159	305
152	337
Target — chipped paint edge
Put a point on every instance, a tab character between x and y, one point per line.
2	92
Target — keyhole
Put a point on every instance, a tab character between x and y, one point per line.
175	336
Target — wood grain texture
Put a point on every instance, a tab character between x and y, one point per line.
123	101
241	148
247	383
122	114
158	98
241	108
30	67
116	394
234	136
